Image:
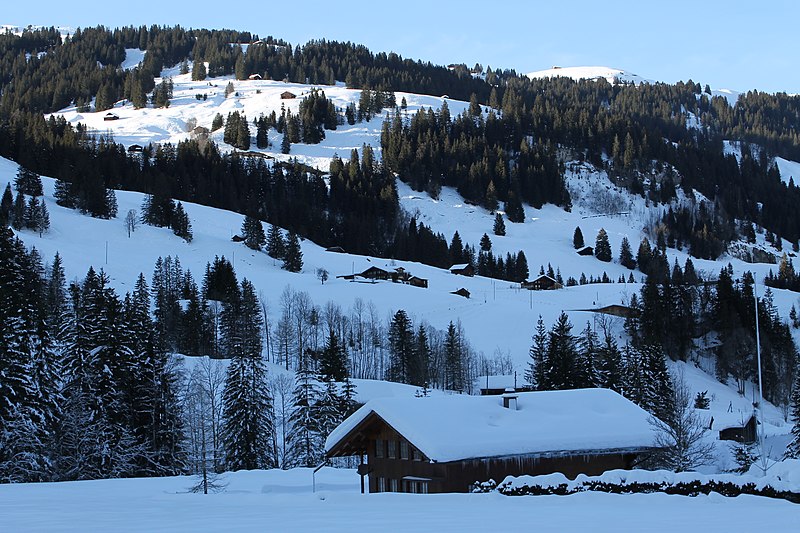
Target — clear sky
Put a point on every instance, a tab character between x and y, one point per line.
737	45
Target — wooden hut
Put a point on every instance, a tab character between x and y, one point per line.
288	95
111	116
461	292
463	270
586	250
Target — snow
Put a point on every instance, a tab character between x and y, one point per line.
788	169
283	501
455	427
782	476
590	73
133	58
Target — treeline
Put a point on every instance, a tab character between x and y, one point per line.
677	310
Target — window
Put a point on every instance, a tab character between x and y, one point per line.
393	485
403	449
423	487
417	455
379	448
392	452
381	483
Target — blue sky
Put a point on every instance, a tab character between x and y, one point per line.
734	45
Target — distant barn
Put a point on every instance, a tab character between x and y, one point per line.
586	250
111	116
135	149
461	292
738	430
287	95
463	270
418	282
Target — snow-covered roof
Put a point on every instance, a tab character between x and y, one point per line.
459	266
455	427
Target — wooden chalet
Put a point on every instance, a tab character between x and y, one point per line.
288	95
135	149
542	283
111	116
463	270
374	272
586	250
448	443
461	292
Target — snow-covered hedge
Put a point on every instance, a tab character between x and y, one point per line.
782	481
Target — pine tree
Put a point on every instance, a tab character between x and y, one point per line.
28	182
293	257
181	226
253	233
276	246
18	212
793	449
305	445
401	348
577	238
454	359
610	369
6	206
247	404
199	72
561	358
499	226
486	243
418	373
333	360
535	373
602	248
626	255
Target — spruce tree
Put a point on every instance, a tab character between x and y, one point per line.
602	248
293	256
454	359
305	447
333	360
276	245
28	182
793	449
6	206
561	358
577	238
401	348
247	428
499	226
535	373
626	255
253	233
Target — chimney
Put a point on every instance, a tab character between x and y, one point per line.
510	399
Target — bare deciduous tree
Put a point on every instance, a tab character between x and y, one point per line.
682	440
131	221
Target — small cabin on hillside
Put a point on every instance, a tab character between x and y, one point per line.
586	250
448	443
288	95
463	270
253	77
744	430
461	292
111	116
418	282
542	283
135	149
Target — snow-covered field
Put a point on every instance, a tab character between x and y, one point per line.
283	501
